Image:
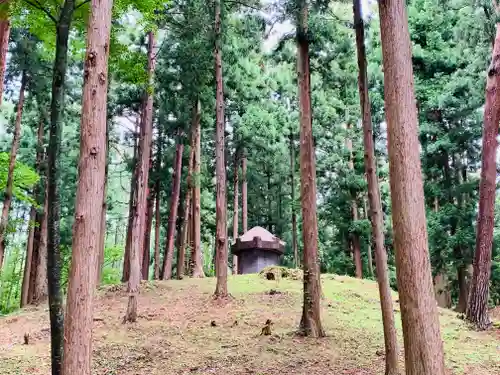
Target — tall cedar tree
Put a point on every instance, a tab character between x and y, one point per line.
132	204
172	218
12	164
310	323
295	248
89	194
4	42
422	338
63	27
156	272
140	190
235	206
196	256
477	306
376	218
220	165
25	291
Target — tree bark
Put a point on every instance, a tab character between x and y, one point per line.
12	164
244	193
89	195
147	236
220	166
166	273
186	219
139	125
39	282
421	331
156	274
235	207
141	190
311	322
292	197
477	306
369	250
4	44
53	176
25	293
196	256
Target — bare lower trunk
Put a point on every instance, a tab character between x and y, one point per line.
132	204
292	196
235	208
12	163
166	273
40	292
421	331
311	322
196	256
244	193
141	191
156	273
102	233
220	166
463	276
477	306
374	200
4	46
442	291
147	237
26	295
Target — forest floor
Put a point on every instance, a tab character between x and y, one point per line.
174	334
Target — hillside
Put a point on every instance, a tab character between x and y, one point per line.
174	334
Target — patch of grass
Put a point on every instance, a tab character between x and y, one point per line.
174	334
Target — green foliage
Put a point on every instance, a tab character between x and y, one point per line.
25	178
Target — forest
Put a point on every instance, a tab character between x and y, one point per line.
140	140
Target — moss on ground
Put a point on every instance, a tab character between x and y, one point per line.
174	334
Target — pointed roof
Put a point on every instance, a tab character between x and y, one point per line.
258	238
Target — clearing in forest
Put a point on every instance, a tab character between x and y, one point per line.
182	330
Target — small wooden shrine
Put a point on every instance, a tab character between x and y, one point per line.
257	249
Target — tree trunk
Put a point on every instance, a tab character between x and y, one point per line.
166	273
186	220
89	195
27	282
354	237
53	197
141	190
244	193
369	250
196	256
310	323
477	306
147	236
235	207
464	275
292	197
421	331
38	289
4	44
12	164
156	274
220	166
139	125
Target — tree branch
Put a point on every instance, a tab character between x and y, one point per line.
39	6
242	4
81	4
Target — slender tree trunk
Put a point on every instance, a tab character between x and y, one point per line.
4	43
156	275
25	293
39	291
139	125
53	176
235	207
369	250
89	195
186	219
294	213
220	166
310	323
477	306
421	331
166	273
147	236
196	256
355	242
141	190
12	164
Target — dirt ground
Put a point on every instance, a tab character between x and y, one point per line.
175	334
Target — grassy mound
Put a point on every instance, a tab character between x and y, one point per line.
278	272
182	330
